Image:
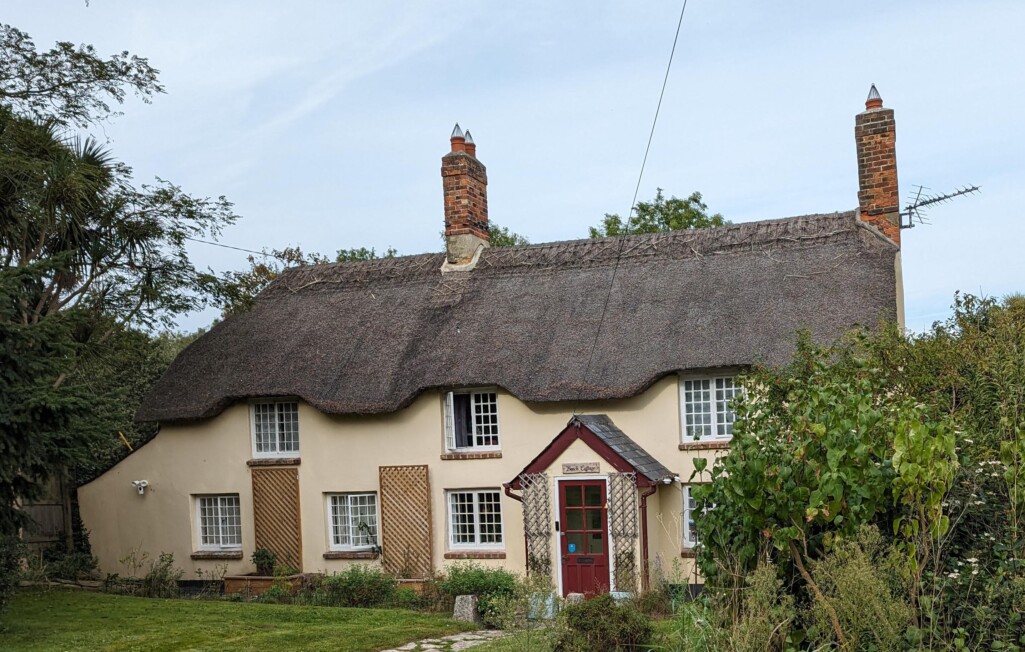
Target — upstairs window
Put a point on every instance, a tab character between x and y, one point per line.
352	521
475	519
275	428
705	407
220	522
471	420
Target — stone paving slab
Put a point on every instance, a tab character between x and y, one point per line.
452	643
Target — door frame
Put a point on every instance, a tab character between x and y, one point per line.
608	527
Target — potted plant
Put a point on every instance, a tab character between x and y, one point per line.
264	560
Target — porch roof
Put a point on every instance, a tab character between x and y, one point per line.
605	438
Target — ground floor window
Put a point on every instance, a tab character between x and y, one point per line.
690	511
475	518
352	520
220	521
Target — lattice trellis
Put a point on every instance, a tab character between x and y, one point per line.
276	513
623	526
537	522
406	521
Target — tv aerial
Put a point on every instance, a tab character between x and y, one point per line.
916	210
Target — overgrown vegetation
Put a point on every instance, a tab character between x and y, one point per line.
872	498
361	585
490	585
602	625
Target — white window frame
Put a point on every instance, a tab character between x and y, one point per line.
450	522
717	417
220	522
689	509
450	425
348	495
277	452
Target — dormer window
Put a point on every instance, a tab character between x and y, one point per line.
471	420
275	426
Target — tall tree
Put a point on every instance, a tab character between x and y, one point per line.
660	215
501	236
84	251
68	84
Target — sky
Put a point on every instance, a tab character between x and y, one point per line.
325	122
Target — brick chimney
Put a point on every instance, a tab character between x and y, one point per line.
876	135
465	181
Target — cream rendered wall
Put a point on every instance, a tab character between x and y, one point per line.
179	463
343	453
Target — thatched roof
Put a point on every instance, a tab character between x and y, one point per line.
360	338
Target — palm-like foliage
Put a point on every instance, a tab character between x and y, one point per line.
100	244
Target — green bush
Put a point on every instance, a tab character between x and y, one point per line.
68	565
768	614
360	585
489	585
859	577
602	625
276	594
265	560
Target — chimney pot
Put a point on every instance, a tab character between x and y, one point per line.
471	147
457	139
874	100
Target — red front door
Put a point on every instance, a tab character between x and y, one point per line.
584	537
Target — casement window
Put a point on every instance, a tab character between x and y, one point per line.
275	428
220	522
475	518
471	420
352	521
690	511
705	407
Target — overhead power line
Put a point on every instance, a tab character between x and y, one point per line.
658	108
248	251
633	203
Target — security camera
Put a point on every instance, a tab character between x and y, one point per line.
140	486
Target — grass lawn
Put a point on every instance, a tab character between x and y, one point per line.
530	641
64	620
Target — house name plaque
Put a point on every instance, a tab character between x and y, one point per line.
581	467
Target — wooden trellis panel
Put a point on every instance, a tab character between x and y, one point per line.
276	513
624	527
537	522
406	520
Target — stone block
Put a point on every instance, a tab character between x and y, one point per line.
466	609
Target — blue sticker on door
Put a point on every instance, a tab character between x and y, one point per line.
572	547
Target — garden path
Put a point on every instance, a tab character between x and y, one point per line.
452	643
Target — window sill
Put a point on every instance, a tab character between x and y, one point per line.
351	554
217	554
274	461
723	444
471	455
689	553
475	554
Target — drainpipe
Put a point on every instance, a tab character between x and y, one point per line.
508	492
644	535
